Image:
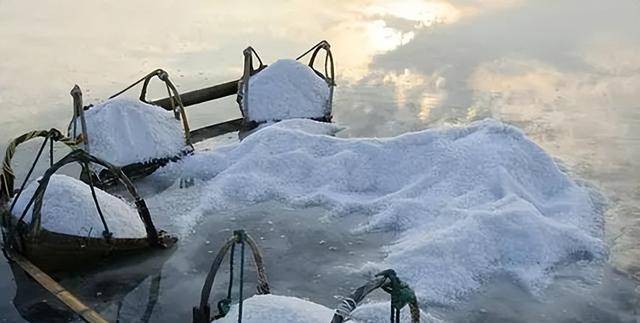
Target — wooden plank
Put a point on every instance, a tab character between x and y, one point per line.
86	313
215	130
202	95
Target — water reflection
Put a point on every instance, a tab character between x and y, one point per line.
567	72
108	289
34	303
50	45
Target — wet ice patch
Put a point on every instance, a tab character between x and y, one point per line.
68	207
124	131
467	203
177	208
287	89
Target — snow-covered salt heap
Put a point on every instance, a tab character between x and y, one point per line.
124	131
68	207
281	309
287	89
467	203
273	308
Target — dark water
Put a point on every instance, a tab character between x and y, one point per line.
567	72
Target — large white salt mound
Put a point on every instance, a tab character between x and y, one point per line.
68	207
285	309
287	89
124	131
467	203
277	309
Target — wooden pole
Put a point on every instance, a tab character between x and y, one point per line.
202	95
86	313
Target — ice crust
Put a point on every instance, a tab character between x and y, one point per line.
123	131
287	89
68	207
467	203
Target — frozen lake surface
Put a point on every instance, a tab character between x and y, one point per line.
565	73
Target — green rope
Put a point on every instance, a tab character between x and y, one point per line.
401	296
224	305
401	293
202	313
176	101
242	235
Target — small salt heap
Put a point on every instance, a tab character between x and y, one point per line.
287	89
125	131
285	309
68	208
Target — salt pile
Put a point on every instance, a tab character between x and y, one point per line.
68	207
287	89
273	308
467	203
281	309
125	131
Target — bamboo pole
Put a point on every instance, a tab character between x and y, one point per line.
44	280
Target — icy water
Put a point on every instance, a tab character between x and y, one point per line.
566	72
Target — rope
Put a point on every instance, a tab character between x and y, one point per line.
10	231
148	76
7	177
107	235
202	313
241	277
231	257
33	166
248	71
7	171
224	305
174	96
155	238
329	68
401	295
253	52
311	49
50	153
345	308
